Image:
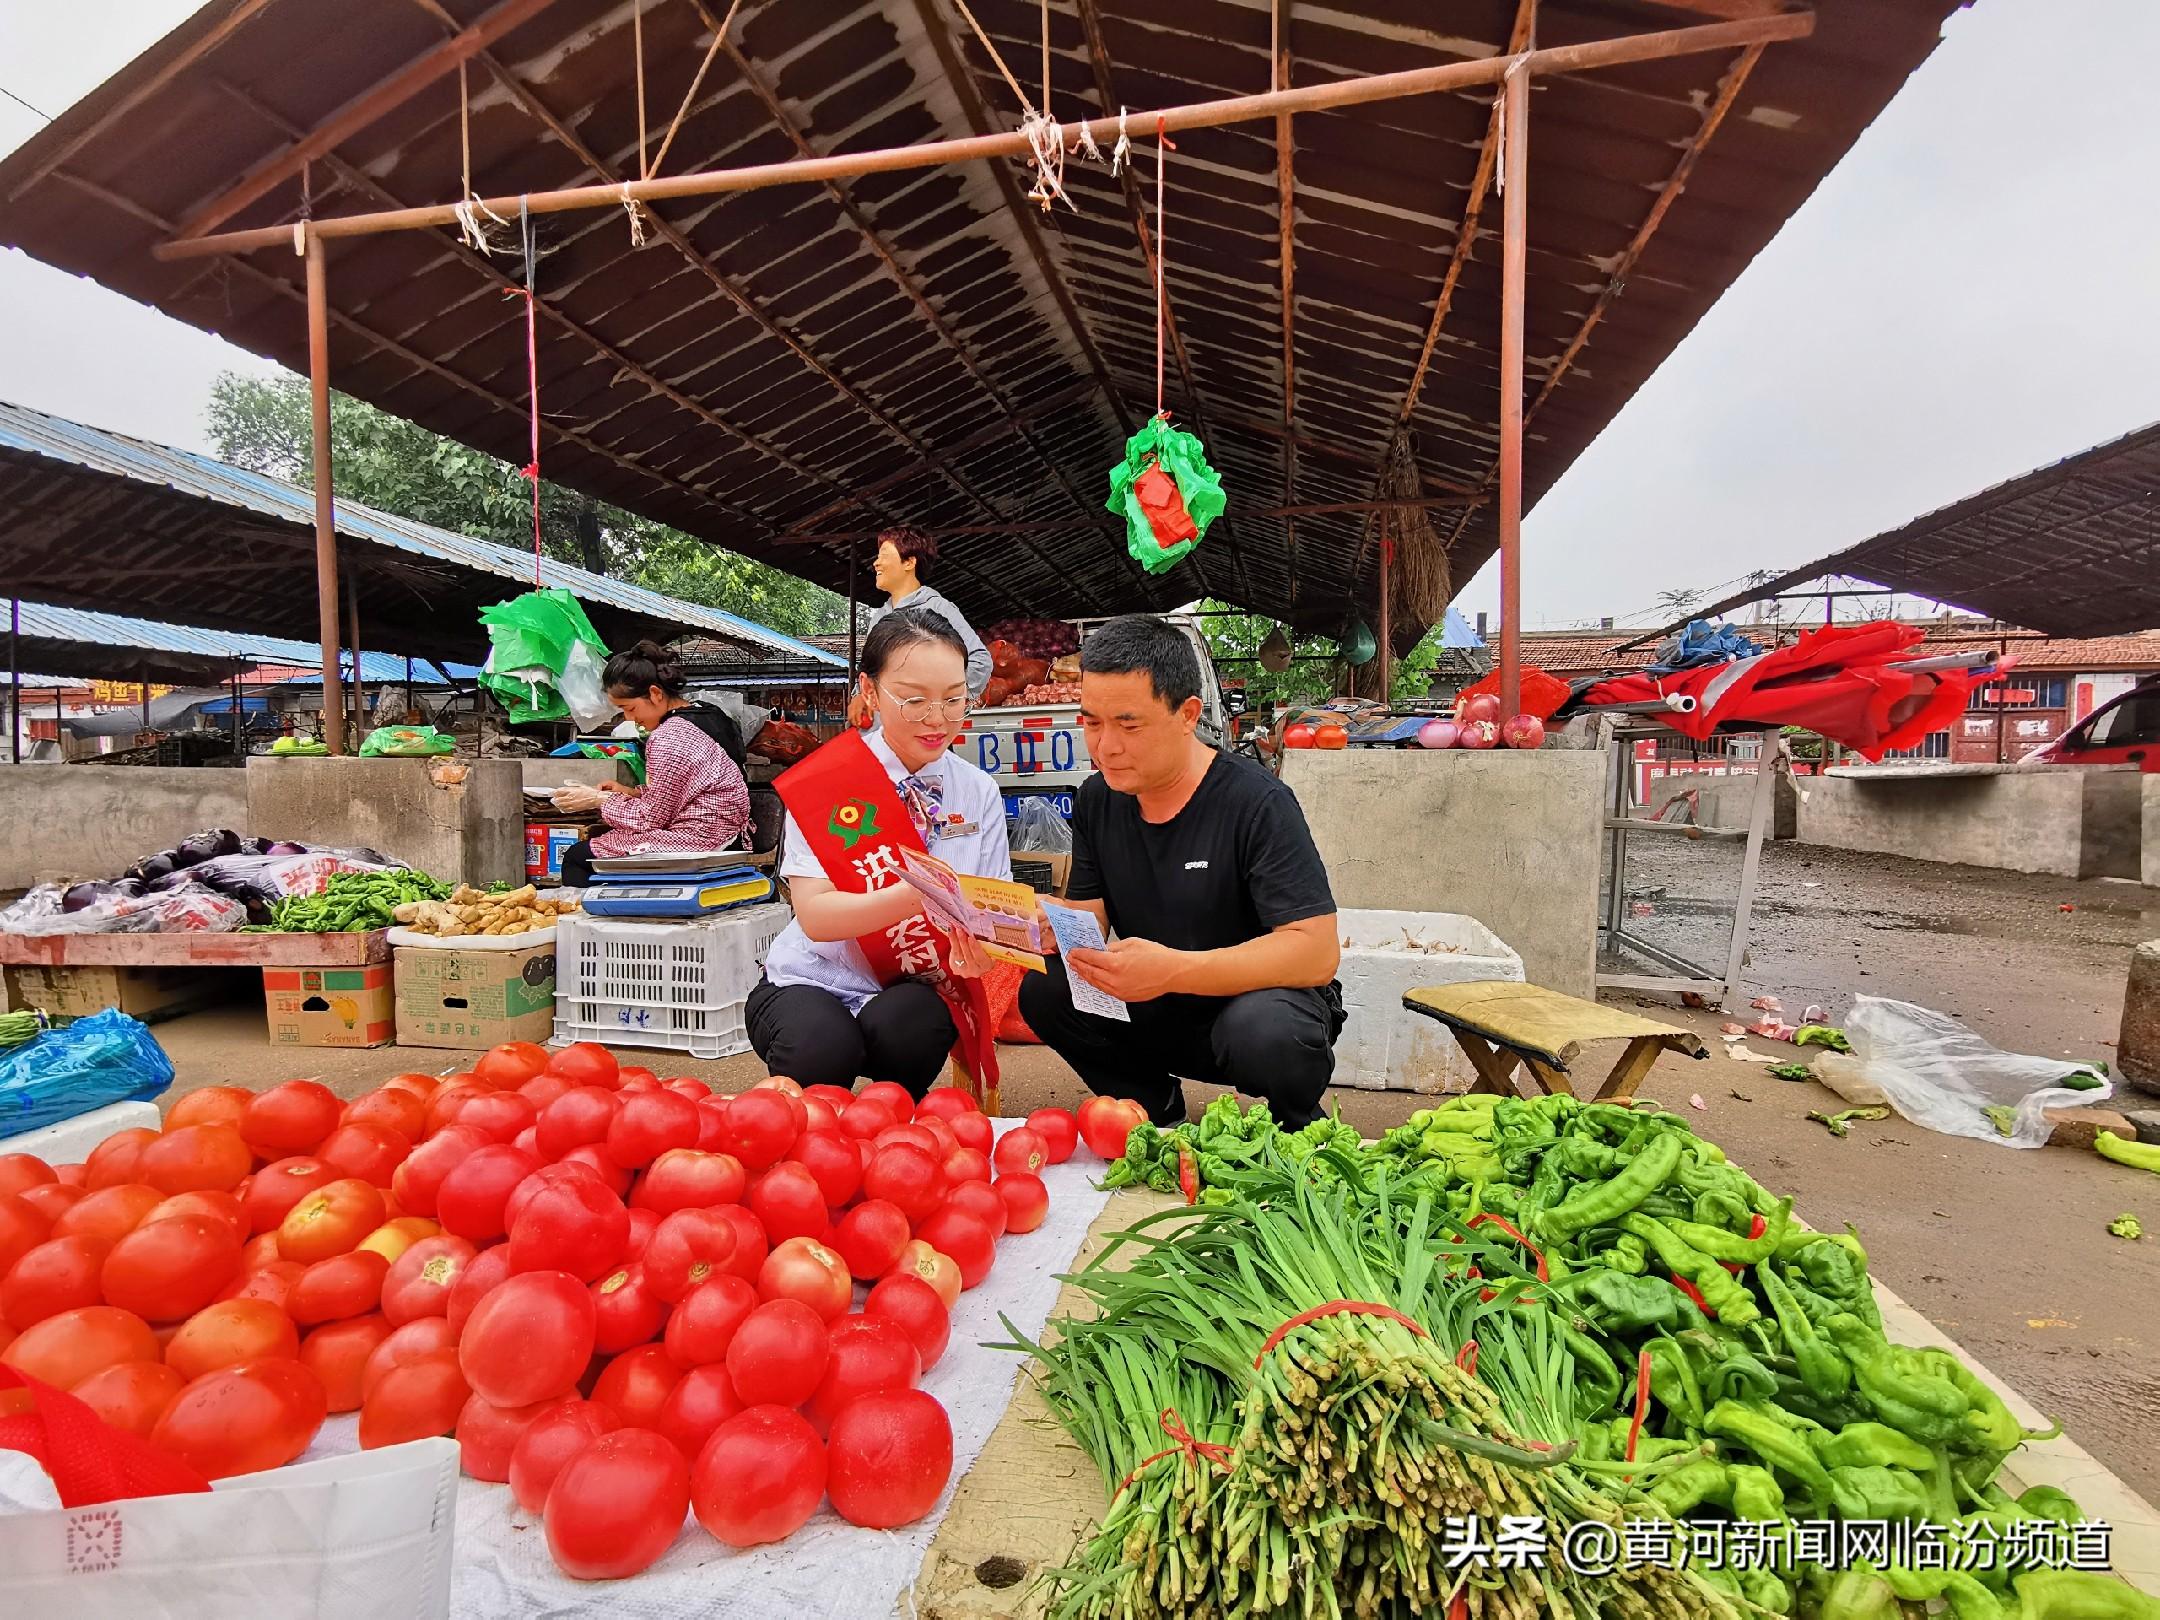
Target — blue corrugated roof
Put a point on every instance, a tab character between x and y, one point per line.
1455	631
201	476
42	620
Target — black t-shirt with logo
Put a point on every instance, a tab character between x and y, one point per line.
1237	862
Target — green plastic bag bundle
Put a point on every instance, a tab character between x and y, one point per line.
1167	494
299	748
545	659
406	742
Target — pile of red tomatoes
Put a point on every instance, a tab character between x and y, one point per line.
627	1298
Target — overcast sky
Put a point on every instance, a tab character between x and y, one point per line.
1971	294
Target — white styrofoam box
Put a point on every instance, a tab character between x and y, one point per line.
69	1141
677	984
1383	1046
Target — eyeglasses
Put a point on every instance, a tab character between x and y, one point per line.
916	708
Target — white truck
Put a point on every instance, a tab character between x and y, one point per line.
1039	750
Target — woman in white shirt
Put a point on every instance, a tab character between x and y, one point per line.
826	1012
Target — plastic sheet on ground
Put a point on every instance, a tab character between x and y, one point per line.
1939	1074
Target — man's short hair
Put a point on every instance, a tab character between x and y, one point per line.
916	547
1140	643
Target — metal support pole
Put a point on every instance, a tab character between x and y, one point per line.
352	621
14	658
239	720
146	700
412	703
326	558
1387	628
1514	256
851	561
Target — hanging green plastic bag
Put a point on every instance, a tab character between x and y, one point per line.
1167	494
544	659
406	742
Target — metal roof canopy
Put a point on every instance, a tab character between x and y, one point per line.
922	345
100	521
2072	549
108	646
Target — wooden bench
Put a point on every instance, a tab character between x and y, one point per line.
1500	1023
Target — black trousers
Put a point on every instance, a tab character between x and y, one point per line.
577	865
903	1033
1274	1044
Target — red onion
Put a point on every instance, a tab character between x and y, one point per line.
1478	734
1523	731
1437	734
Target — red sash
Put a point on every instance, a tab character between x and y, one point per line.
855	824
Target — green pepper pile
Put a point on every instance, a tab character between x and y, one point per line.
354	902
1209	1160
1702	1318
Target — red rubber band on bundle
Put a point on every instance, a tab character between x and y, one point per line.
1642	1401
1335	1307
1466	1358
1174	1427
1458	1607
1501	1221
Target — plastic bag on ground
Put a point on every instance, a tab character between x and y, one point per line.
1939	1074
105	1058
1040	830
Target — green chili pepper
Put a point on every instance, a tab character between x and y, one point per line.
1623	1307
1968	1599
1766	1589
1879	1492
1756	1494
2070	1594
1778	1446
1738	1375
1726	1298
1672	1381
1902	1390
1822	1369
1597	1378
1864	1445
1721	1245
2046	1502
1859	1594
1602	1203
1685	1489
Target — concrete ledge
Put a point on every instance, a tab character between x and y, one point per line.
460	820
2063	821
94	821
2149	816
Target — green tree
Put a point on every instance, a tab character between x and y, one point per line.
1315	673
398	467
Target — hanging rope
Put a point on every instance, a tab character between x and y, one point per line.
719	39
1163	144
1019	94
531	470
631	206
1121	153
469	207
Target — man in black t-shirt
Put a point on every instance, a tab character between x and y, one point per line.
1201	862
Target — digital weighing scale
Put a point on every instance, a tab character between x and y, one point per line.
676	893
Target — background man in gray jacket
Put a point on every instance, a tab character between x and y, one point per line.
905	561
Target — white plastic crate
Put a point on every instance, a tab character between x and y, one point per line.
676	985
1384	1047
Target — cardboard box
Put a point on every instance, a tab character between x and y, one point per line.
1044	873
473	999
329	1006
545	844
147	993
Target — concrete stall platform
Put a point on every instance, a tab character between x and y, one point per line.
2062	820
459	820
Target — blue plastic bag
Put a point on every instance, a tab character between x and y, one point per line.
105	1058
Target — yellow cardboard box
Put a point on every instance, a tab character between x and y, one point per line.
474	999
329	1006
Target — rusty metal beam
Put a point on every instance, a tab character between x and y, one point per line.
379	100
1112	525
1713	116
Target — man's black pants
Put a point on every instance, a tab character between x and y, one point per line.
1274	1044
903	1033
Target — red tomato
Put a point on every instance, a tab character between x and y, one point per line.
1105	1122
242	1420
543	1089
1026	1200
68	1174
700	1329
965	1164
1059	1130
67	1347
751	1242
759	1478
626	1312
109	1214
399	1112
170	1269
648	1124
574	1225
906	1175
229	1333
528	1340
396	1235
498	1115
617	1505
634	1080
637	1383
1020	1149
934	1267
946	1102
941	1136
642	1224
131	1395
260	1251
865	1119
833	1097
546	1176
479	1277
871	1355
977	1199
344	1285
54	1199
921	1136
290	1119
711	1125
451	1099
780	1082
369	1153
414	1401
338	1355
833	1161
789	1202
557	1432
220	1206
272	1284
687	1086
594	1156
512	1063
685	1178
889	1457
893	1097
585	1064
870	1237
488	1434
697	1405
778	1355
22	1228
686	1248
20	1170
760	1127
819	1116
804	1269
113	1161
470	1202
973	1131
331	1220
419	1176
275	1188
580	1115
422	1086
212	1105
968	1239
402	1345
419	1281
60	1274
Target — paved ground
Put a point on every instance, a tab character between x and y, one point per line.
2006	1250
